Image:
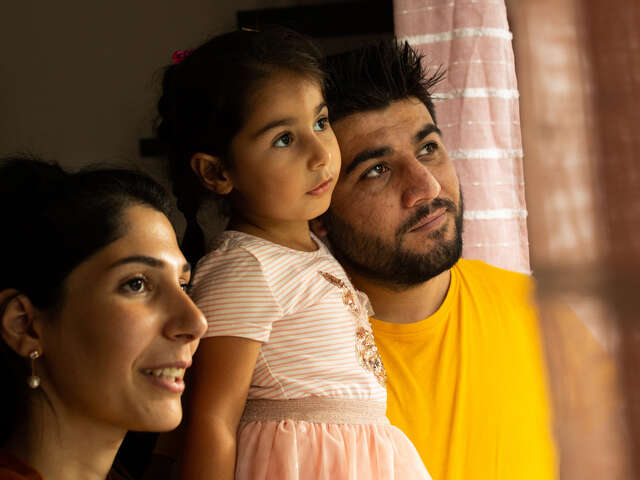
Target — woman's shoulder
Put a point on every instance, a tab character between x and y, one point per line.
12	468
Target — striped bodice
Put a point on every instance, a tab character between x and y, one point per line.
252	288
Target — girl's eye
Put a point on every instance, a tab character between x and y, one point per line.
376	171
321	124
429	148
283	140
185	287
135	285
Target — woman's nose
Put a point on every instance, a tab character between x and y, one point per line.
186	322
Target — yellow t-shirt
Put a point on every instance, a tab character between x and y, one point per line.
468	384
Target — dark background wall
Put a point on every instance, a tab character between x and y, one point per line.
79	80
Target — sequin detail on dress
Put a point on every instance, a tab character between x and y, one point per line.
368	355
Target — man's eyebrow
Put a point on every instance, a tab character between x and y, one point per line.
428	129
146	260
286	121
367	154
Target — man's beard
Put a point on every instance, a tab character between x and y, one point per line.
389	263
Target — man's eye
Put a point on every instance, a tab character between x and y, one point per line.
429	148
135	285
321	124
283	140
376	171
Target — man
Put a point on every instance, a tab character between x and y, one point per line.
458	338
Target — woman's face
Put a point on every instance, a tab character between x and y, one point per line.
117	349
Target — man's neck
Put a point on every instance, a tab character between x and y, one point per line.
406	305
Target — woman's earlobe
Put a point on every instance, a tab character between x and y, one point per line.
211	172
17	323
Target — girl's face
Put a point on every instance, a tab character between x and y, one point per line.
285	160
117	349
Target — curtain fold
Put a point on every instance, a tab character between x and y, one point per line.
579	71
477	111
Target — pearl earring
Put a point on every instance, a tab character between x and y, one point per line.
33	380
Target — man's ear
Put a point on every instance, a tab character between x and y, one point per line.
317	226
211	172
17	323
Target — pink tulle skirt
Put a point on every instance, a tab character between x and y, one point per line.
323	439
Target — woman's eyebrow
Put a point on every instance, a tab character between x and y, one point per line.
146	260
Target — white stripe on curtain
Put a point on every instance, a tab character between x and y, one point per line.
477	111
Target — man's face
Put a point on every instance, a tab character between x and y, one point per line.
396	212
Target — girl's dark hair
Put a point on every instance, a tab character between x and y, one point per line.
207	97
52	222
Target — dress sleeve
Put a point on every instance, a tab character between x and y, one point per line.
234	296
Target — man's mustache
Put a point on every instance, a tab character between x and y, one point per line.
426	210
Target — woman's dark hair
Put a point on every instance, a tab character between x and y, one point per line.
372	77
207	97
52	222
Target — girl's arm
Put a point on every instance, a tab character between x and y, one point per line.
220	378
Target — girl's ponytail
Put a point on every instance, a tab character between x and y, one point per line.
189	200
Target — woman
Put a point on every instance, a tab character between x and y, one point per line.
97	329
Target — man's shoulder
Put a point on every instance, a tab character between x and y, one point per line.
469	266
477	274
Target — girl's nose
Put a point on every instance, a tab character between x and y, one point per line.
318	155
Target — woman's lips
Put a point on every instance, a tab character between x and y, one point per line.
172	384
322	188
169	376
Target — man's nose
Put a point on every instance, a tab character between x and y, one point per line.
419	185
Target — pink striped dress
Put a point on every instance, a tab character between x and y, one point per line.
316	402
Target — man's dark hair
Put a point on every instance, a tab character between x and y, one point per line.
372	77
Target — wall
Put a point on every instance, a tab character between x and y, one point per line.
79	80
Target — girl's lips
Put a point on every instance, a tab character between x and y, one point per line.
322	188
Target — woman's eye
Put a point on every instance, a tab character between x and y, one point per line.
135	285
185	287
283	140
429	148
376	171
321	124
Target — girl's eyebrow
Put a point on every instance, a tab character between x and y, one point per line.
146	260
286	121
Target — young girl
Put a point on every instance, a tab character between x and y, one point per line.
288	384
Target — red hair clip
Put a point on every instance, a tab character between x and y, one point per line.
179	56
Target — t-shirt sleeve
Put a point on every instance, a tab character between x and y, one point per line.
234	296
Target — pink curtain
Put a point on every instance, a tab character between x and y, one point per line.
579	71
477	111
